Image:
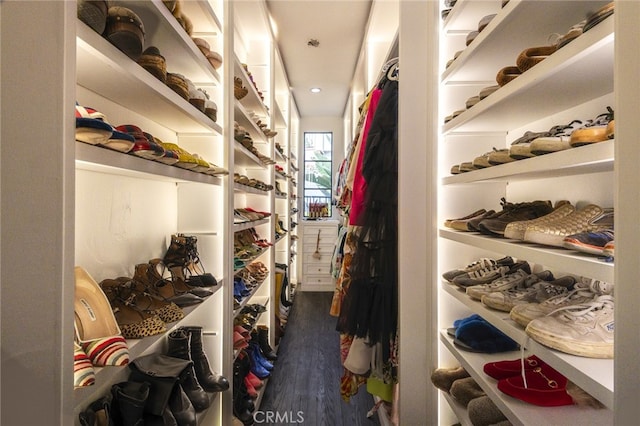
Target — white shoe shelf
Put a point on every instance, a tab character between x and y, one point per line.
575	80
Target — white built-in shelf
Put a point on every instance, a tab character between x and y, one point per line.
517	26
578	72
241	115
458	409
238	187
104	160
279	156
105	70
280	120
518	412
594	158
247	225
251	101
465	14
555	258
204	19
165	32
244	157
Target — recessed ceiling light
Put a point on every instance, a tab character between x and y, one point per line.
315	90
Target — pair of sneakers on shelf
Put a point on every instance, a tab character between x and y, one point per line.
571	315
588	229
503	284
493	222
580	322
564	136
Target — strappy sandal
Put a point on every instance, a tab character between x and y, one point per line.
134	323
136	294
162	288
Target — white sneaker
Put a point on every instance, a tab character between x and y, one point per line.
585	330
528	291
583	291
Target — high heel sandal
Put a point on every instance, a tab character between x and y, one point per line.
178	279
162	288
134	323
183	252
96	327
136	293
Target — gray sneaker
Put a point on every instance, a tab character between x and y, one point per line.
583	291
482	263
529	291
585	330
518	273
481	276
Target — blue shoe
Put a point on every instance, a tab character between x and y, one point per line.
255	348
589	242
256	367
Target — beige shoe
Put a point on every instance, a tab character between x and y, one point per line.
499	156
590	218
482	161
516	230
555	142
584	330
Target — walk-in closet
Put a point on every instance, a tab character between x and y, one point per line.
169	255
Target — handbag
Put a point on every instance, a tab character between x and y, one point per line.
162	372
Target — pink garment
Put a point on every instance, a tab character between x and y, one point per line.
359	184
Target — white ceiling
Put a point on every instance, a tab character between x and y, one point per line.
340	27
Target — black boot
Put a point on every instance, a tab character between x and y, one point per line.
179	348
181	407
98	413
241	410
210	381
129	399
263	341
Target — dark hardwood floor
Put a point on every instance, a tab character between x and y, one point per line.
306	377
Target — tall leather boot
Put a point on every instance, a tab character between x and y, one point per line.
210	381
263	341
129	399
179	348
181	407
241	410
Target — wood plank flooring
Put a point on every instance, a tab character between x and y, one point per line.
306	377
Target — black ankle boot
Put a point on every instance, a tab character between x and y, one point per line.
263	341
179	348
129	399
210	381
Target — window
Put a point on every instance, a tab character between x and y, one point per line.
318	173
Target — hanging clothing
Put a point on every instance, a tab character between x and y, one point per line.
369	307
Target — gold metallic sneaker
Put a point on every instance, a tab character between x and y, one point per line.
590	218
516	230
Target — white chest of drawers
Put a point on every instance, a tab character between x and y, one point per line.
318	244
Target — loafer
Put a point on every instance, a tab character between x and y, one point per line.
545	387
